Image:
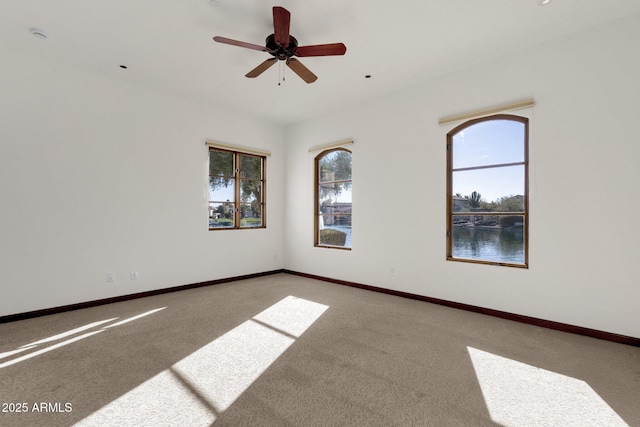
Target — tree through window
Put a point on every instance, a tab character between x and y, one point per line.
487	191
333	199
236	190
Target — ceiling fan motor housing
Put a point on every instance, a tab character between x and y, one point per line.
281	52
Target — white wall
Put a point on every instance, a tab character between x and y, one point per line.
584	184
99	176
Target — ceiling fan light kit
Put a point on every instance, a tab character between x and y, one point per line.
283	47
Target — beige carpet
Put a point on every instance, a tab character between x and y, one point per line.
283	350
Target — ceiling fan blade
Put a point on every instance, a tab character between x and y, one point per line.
261	68
302	71
281	21
241	44
321	50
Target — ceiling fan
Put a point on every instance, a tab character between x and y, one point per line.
283	46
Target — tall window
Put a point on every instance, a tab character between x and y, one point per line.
487	191
236	190
333	199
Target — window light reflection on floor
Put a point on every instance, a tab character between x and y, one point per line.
47	349
12	352
198	388
517	394
131	319
46	340
69	333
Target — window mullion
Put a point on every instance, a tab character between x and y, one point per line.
499	165
238	182
487	213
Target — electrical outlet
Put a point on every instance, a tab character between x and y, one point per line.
109	277
392	271
133	275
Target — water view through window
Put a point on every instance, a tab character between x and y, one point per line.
498	245
487	204
333	202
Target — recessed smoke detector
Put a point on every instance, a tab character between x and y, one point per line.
41	34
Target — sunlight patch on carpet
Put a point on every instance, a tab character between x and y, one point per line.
61	335
160	401
517	394
12	352
131	319
291	315
198	388
69	333
47	349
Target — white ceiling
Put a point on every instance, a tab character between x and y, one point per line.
167	44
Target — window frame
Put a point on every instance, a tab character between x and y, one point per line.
237	182
450	196
316	198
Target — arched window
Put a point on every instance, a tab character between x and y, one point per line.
333	199
487	191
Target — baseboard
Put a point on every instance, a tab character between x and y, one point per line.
558	326
87	304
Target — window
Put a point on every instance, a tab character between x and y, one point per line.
487	191
236	190
333	199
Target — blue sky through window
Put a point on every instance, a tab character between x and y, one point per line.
489	143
